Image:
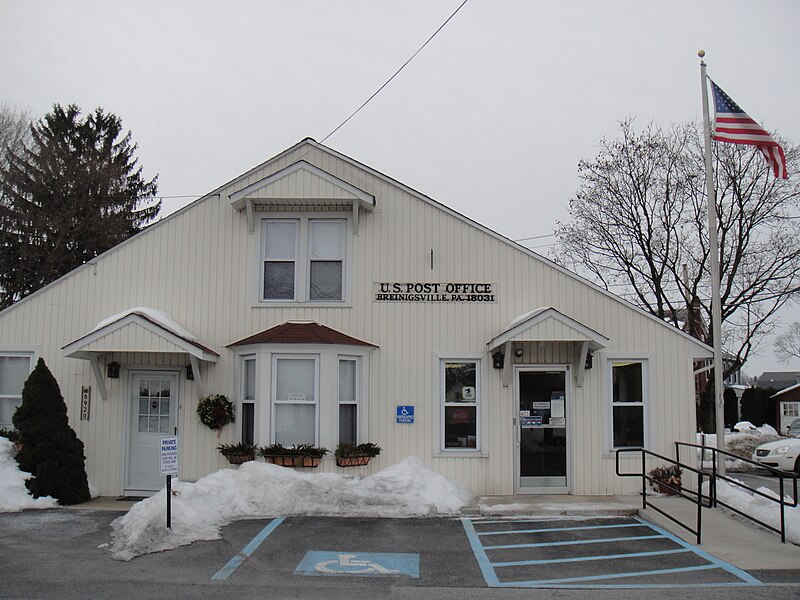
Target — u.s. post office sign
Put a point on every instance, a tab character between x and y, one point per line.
430	291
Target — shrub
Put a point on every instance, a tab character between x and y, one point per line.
51	452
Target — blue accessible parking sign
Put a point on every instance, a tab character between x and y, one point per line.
405	414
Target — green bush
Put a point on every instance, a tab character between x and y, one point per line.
51	452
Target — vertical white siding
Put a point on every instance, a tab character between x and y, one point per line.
198	266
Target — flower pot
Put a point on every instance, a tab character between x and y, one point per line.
352	461
668	489
293	461
238	459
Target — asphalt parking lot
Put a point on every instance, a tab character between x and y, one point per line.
64	554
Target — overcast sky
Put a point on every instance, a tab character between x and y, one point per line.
491	118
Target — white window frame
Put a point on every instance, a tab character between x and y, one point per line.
243	399
274	390
481	404
29	352
302	259
356	401
647	395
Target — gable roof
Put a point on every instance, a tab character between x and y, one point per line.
548	324
139	329
301	332
311	143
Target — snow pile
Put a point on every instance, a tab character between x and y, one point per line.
14	496
260	490
760	508
742	442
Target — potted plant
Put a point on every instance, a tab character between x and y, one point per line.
238	453
666	480
352	455
215	411
302	455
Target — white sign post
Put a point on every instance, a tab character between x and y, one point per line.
168	465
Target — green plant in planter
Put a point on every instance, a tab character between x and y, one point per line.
666	480
237	453
352	455
301	455
215	411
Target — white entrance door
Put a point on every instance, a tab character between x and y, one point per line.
153	406
543	447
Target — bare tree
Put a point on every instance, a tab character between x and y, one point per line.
15	130
787	345
639	228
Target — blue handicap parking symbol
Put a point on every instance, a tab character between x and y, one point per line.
359	564
405	414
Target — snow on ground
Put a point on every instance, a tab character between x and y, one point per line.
759	507
14	496
261	490
742	441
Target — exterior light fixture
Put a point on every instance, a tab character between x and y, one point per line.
497	360
519	352
189	373
112	370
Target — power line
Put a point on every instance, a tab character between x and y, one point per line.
396	73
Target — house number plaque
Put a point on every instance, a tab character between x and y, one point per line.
86	402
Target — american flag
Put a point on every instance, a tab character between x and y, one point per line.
732	124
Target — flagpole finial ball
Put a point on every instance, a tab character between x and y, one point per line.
701	53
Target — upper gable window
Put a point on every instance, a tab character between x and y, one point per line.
303	259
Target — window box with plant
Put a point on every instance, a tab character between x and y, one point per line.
352	455
302	455
237	453
666	480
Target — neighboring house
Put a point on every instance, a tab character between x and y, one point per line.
777	379
323	296
788	406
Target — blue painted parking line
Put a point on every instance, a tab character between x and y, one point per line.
552	529
359	564
552	561
251	547
489	568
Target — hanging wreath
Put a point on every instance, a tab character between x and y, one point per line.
215	411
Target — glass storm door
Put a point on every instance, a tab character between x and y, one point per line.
542	430
153	411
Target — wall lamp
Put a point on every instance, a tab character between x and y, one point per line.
112	370
498	359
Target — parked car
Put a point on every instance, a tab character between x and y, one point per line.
794	429
783	454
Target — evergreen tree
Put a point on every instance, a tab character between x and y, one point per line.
71	193
51	451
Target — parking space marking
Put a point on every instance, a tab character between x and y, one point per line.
574	542
552	529
551	561
251	547
490	574
359	564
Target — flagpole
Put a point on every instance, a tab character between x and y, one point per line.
713	252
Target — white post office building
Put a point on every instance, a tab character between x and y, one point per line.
333	303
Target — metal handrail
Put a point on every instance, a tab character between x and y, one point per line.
696	497
781	501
